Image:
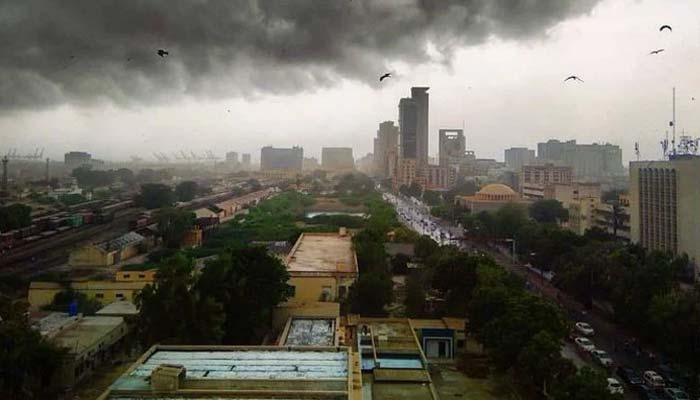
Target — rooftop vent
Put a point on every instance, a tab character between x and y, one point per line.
167	377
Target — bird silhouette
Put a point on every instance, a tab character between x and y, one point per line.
657	51
692	98
574	77
387	75
162	53
665	27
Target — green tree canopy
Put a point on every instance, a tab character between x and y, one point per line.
186	190
155	195
586	384
15	216
371	293
548	211
249	283
173	224
432	198
63	299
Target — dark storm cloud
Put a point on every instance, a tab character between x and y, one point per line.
83	51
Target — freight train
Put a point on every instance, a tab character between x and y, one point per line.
50	225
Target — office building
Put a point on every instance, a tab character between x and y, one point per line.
516	157
413	125
452	147
406	172
245	161
665	205
614	218
337	159
75	159
536	180
386	149
232	157
310	164
281	159
589	161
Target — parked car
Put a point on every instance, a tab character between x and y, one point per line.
584	328
614	386
647	393
676	394
666	372
629	376
653	380
584	344
602	358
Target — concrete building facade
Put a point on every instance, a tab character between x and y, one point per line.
517	157
281	159
75	159
452	147
337	159
386	149
664	204
589	161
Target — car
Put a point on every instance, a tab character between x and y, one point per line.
584	328
629	376
653	380
584	344
647	393
614	386
666	372
602	358
675	394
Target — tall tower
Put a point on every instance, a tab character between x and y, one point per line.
3	188
420	97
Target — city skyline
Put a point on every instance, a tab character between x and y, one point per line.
626	97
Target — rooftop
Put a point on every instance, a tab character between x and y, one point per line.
86	332
122	241
322	253
118	308
234	372
302	331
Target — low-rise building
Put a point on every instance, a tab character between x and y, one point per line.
490	198
582	214
238	372
107	253
312	331
89	342
42	293
440	338
614	218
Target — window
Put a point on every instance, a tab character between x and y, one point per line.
127	276
99	296
119	295
142	276
292	291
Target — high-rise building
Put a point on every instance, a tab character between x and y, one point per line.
664	201
386	146
537	179
413	124
281	159
75	159
337	159
232	157
589	161
310	164
516	157
245	161
452	147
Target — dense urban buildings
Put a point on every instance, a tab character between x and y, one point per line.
386	149
664	205
337	159
232	157
413	125
452	146
593	162
281	159
245	161
517	157
75	159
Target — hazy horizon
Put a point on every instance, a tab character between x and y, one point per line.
242	75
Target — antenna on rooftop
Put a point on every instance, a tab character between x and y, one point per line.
636	149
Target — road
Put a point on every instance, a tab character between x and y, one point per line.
608	336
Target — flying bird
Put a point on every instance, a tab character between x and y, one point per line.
665	27
162	53
387	75
657	51
692	99
574	77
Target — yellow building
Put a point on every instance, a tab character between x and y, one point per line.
148	275
107	253
322	267
490	198
43	293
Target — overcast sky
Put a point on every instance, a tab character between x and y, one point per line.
84	75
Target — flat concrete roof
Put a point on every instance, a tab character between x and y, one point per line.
311	332
86	332
322	253
118	308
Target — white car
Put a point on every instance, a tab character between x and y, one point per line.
584	344
653	380
614	386
584	329
602	358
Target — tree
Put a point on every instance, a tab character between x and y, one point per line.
371	293
249	283
186	191
586	384
425	247
415	297
155	195
254	184
540	360
15	216
27	361
62	300
432	198
455	276
399	264
173	313
173	225
548	211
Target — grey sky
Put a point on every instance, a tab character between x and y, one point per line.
308	75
